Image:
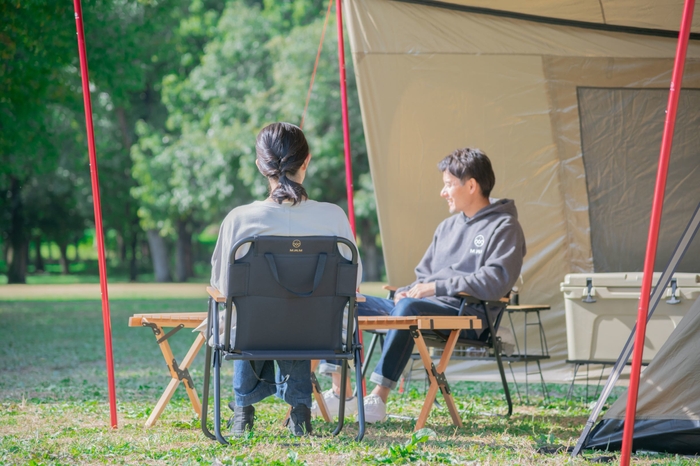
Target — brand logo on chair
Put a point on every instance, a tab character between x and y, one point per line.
296	246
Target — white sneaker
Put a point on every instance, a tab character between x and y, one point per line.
333	403
375	409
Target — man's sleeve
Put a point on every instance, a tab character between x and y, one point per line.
500	271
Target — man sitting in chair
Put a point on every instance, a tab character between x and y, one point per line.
478	251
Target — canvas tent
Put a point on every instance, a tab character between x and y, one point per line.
668	407
566	97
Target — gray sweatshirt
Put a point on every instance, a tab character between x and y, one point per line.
481	255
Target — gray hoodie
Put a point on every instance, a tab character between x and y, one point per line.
481	255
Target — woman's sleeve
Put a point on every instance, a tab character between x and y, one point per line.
219	259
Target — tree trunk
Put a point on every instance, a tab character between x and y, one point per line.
159	256
63	249
77	254
121	247
19	242
184	266
133	269
38	260
370	254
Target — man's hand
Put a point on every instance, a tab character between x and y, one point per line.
421	290
398	296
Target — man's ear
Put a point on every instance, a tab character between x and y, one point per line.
473	186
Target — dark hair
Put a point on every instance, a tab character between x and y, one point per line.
470	163
281	149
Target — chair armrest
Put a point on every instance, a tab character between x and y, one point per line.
473	299
216	294
390	288
360	298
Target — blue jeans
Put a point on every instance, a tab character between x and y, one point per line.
249	390
398	344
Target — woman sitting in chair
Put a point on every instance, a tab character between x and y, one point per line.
283	157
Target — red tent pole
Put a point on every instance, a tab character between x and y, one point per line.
652	241
346	123
346	139
98	213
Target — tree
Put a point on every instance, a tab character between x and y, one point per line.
35	38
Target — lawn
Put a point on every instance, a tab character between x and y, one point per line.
53	399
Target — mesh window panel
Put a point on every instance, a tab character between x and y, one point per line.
621	133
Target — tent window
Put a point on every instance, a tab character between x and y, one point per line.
620	139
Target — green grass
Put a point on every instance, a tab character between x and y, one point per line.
53	407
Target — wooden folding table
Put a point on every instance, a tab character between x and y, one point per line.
436	375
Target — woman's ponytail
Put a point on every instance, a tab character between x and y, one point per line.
282	149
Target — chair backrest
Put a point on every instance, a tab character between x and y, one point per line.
290	294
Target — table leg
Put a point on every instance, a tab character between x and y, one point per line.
433	375
177	373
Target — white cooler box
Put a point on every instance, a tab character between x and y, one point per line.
601	309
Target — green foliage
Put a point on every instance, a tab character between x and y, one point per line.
179	90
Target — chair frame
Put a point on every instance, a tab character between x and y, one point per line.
440	340
218	352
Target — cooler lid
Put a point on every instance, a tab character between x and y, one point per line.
626	279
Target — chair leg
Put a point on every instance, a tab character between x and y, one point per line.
359	377
341	404
217	398
205	394
497	350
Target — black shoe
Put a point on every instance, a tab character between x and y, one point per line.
300	421
242	420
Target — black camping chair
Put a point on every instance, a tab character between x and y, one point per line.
290	295
487	339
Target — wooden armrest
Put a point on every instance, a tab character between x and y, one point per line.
360	298
473	298
390	288
216	294
528	307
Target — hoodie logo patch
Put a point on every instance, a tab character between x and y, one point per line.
478	242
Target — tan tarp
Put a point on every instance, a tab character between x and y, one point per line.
431	80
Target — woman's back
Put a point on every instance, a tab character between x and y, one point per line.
307	218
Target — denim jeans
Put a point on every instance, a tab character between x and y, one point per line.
398	344
249	390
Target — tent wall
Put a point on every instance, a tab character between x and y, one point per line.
668	407
431	80
631	13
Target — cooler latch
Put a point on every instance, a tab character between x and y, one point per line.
673	299
589	289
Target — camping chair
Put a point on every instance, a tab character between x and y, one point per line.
438	339
290	295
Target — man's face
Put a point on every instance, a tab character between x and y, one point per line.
458	196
